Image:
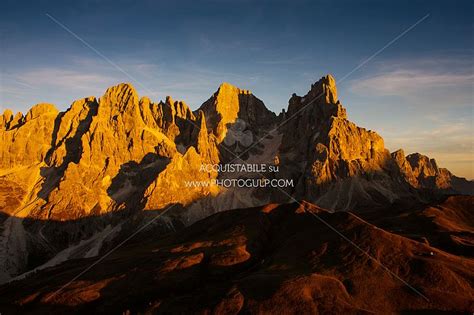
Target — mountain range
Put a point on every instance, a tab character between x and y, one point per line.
76	183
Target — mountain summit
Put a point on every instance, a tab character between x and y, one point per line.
228	104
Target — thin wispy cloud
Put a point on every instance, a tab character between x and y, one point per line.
429	83
405	81
65	78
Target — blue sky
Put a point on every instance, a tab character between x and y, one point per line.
417	93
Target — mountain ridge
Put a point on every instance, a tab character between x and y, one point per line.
134	124
119	156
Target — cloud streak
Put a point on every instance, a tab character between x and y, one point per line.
428	83
404	81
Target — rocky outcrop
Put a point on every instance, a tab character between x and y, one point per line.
25	139
230	103
173	184
244	114
423	173
335	158
102	155
342	166
116	154
121	152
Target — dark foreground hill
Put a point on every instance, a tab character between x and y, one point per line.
276	259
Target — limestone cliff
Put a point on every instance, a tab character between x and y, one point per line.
241	112
230	103
26	138
121	152
423	173
102	155
329	149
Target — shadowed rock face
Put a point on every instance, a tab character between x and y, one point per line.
266	260
120	154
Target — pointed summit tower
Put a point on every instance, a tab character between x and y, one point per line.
230	103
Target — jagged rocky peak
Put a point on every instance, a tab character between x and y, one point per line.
230	103
423	165
41	109
319	118
10	121
179	109
119	97
101	155
422	172
321	101
317	134
403	167
6	118
93	156
121	152
19	147
326	87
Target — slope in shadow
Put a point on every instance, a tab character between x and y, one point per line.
272	259
129	185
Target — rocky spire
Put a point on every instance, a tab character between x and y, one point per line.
318	135
230	103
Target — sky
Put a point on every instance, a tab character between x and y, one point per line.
403	68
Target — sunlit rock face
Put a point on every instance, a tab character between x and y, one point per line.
247	118
120	152
230	103
25	139
423	173
334	155
102	155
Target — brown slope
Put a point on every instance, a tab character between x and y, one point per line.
277	259
447	224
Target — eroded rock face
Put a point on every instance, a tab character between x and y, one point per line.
329	148
121	152
102	155
25	139
229	104
423	173
340	165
